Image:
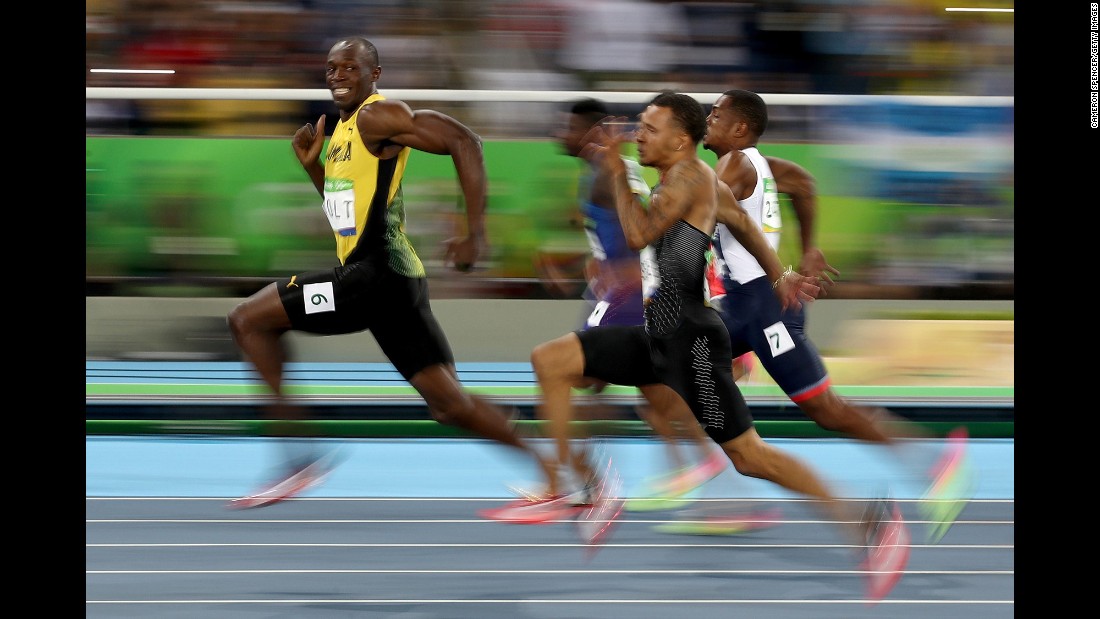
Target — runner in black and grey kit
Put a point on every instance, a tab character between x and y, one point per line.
683	343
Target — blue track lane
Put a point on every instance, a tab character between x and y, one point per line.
143	466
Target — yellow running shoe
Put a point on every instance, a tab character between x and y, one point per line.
951	489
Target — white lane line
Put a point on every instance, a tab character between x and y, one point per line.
525	545
549	572
498	499
544	601
471	521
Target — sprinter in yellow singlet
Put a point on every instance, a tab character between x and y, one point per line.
380	284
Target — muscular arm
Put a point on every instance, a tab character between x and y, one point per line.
671	202
307	143
795	181
791	289
388	126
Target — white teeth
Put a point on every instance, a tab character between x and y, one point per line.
341	91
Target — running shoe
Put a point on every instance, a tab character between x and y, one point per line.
951	488
577	496
596	522
672	490
297	481
696	522
577	493
888	548
535	510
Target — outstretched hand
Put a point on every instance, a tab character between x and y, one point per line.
794	288
308	142
603	138
814	265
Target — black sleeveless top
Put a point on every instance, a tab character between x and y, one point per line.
681	265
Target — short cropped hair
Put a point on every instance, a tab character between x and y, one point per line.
367	50
592	110
687	112
751	107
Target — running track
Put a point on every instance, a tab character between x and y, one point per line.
394	533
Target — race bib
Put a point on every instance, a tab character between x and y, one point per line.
318	298
779	339
339	205
651	277
771	217
597	314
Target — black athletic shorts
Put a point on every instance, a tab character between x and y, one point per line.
694	360
368	295
757	322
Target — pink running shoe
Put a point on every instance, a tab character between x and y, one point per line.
535	510
297	482
596	522
690	478
887	551
704	471
671	491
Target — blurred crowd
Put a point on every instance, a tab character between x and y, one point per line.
773	46
935	183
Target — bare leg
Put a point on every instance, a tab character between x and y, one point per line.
873	425
662	424
258	324
559	367
949	481
753	457
450	404
671	417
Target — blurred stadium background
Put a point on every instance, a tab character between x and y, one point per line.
902	109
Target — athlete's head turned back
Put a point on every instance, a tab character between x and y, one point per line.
351	72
